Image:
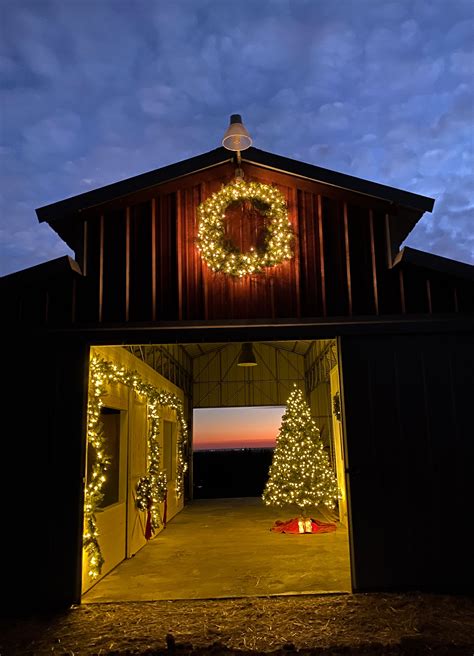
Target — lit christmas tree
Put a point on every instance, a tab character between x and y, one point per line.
300	472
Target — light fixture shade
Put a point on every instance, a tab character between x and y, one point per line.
236	137
247	356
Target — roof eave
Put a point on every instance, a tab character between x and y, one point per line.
340	180
443	265
87	200
123	188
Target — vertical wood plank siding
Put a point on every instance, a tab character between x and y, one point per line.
388	280
321	255
373	262
101	268
83	259
127	264
153	259
166	253
334	257
140	261
313	296
89	295
114	266
348	261
362	265
402	292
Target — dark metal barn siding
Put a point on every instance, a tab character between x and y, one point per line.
43	469
408	421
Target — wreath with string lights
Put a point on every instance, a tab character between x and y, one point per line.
220	254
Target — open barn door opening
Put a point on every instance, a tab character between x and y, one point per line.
196	523
233	449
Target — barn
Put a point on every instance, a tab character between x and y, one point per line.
303	264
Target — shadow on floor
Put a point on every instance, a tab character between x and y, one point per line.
224	548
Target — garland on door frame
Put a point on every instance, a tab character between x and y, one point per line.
336	406
220	254
151	488
150	492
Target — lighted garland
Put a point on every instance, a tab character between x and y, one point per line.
220	254
151	489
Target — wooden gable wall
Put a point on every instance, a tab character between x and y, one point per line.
140	263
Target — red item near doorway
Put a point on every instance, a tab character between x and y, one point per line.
300	525
148	528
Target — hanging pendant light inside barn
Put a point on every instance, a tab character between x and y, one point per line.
247	356
237	138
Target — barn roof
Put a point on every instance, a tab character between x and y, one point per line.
442	265
81	202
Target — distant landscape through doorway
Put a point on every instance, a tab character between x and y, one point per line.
233	450
236	428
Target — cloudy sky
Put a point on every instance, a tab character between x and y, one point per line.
94	91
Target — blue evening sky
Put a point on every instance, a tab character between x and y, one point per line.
95	91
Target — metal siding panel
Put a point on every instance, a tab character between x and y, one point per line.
409	456
365	485
51	452
218	381
406	471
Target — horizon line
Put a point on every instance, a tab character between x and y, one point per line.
233	448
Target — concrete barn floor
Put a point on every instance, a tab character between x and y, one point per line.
224	548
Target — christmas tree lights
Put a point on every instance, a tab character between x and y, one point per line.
300	472
223	256
151	489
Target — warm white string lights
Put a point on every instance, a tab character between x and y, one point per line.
151	489
222	256
300	472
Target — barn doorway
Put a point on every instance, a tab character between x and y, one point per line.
214	539
229	441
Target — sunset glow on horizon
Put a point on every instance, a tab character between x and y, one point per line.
236	428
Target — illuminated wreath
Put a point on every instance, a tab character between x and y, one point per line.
220	254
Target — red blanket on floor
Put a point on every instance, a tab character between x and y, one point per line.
295	526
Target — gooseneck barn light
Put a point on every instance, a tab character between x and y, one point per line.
247	356
237	138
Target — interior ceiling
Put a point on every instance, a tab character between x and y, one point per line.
300	347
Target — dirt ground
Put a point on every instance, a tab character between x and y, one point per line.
362	624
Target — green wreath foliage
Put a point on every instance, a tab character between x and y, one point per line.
221	255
